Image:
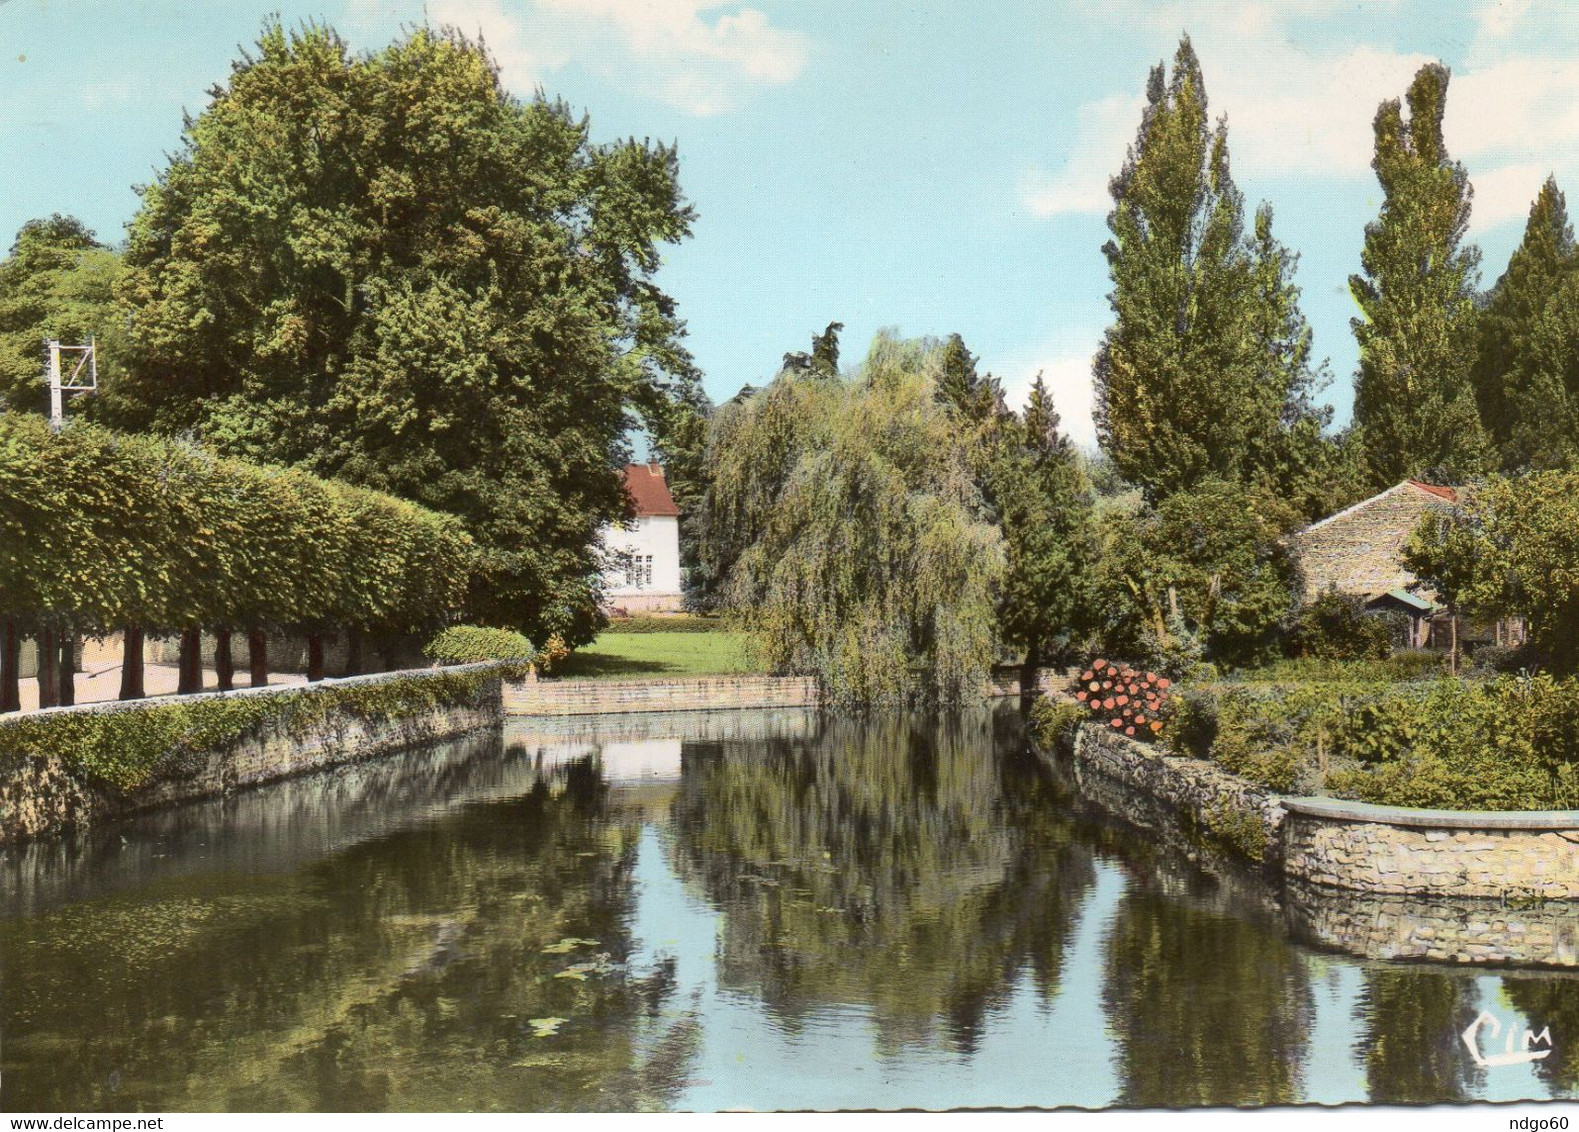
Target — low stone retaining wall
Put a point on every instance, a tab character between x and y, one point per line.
1243	816
44	789
1389	849
1519	859
700	693
705	693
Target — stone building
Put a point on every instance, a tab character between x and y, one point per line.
1359	551
644	571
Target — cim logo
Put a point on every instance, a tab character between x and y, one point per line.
1515	1051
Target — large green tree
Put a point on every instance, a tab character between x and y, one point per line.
1205	369
845	516
1414	401
57	282
1034	486
386	268
1527	365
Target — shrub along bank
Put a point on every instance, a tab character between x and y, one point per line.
102	532
1511	743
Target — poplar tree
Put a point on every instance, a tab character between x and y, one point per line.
1204	372
1526	369
1413	398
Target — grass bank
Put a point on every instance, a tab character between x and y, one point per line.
632	656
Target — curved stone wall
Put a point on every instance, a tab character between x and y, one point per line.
1518	858
1531	855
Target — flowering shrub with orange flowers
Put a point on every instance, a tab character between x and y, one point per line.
1126	699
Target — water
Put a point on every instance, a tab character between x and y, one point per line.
758	910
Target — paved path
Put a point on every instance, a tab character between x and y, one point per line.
103	682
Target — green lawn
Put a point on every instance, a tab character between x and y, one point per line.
625	656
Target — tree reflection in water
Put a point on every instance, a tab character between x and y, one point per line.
884	863
414	971
1207	1009
1410	1020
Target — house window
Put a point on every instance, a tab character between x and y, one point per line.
640	573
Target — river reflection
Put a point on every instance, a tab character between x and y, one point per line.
759	910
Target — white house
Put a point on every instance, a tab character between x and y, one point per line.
645	573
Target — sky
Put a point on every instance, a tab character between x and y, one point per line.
931	167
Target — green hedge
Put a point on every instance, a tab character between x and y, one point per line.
1506	744
101	531
472	644
121	750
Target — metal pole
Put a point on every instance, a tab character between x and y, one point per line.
57	412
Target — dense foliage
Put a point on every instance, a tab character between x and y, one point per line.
1507	744
1527	362
846	516
120	751
1205	371
1511	548
473	644
58	282
387	269
1042	501
1203	576
1337	626
101	531
1414	401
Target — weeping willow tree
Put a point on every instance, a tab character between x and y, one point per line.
845	518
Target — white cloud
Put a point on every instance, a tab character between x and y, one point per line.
1504	195
687	53
1298	111
1103	132
1498	18
1068	378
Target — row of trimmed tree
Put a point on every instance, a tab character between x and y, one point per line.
103	532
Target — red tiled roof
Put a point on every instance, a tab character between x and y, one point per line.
1446	493
644	483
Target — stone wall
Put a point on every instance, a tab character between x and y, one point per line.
703	693
1241	815
40	795
1518	859
1388	849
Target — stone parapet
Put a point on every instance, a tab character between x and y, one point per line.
705	693
42	794
1517	858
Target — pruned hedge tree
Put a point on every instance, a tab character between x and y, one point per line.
103	532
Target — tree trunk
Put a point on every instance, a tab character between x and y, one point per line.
132	685
258	658
353	652
10	668
224	665
67	671
190	674
1033	665
48	660
314	657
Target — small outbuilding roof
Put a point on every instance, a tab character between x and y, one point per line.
1360	549
649	492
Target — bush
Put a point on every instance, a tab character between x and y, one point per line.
1494	660
123	750
1124	699
1338	627
472	644
1401	666
1053	723
1506	744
